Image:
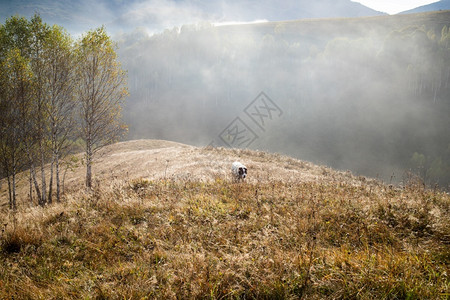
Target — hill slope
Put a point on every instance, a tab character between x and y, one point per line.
157	159
185	230
120	16
439	5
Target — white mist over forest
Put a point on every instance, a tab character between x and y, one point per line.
369	94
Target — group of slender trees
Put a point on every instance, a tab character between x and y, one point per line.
55	91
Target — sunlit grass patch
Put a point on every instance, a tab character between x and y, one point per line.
217	239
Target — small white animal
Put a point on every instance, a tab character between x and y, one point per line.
239	171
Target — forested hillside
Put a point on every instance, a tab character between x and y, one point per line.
366	94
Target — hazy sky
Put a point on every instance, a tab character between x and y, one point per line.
393	7
157	15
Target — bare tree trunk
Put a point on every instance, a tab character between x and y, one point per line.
9	191
12	187
31	186
89	159
89	168
14	204
64	180
43	182
54	144
58	192
36	184
88	176
50	184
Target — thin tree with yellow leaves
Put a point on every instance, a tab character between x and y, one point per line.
101	91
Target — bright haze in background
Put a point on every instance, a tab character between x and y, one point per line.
394	7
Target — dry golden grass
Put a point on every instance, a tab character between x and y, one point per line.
156	159
306	232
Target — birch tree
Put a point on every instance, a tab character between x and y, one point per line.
14	104
15	85
101	92
60	103
39	32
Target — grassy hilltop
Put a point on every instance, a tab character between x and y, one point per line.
176	226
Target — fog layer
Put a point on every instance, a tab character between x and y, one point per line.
368	94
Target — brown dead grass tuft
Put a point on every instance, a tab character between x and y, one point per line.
20	238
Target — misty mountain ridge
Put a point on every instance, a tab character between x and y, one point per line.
271	10
440	5
155	16
365	94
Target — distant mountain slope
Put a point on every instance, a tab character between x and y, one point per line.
120	16
440	5
271	10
